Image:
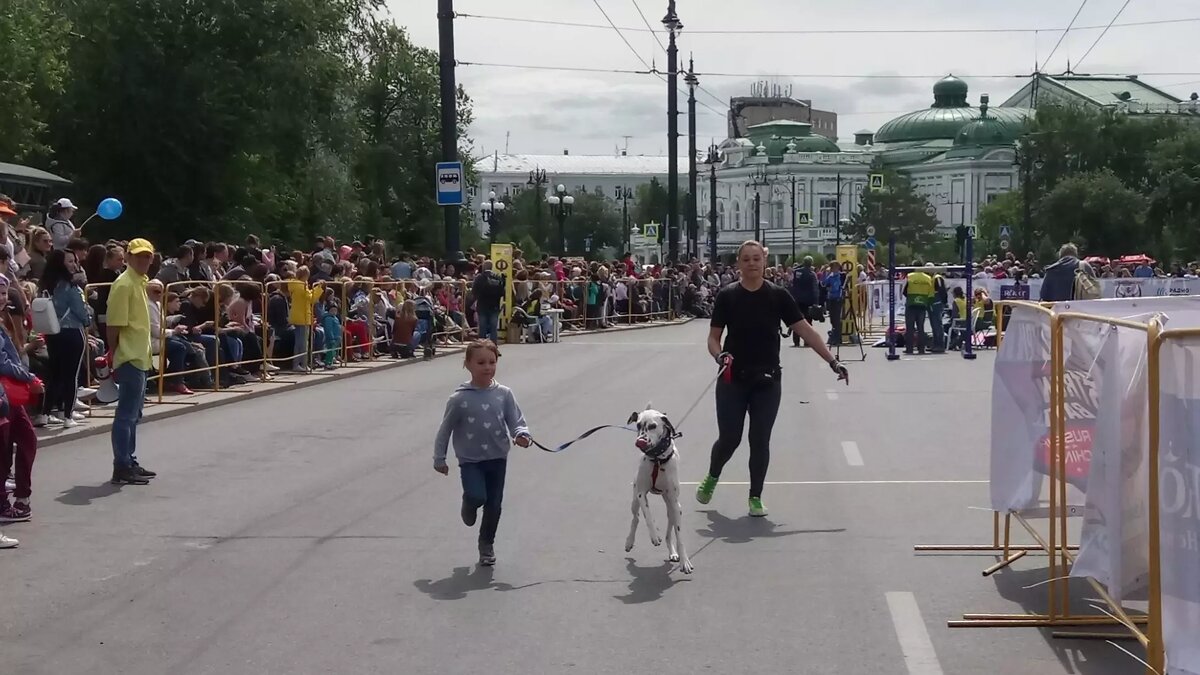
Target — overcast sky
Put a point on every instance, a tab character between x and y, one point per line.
589	113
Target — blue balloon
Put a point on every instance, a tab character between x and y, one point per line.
110	209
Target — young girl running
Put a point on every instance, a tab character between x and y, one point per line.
484	419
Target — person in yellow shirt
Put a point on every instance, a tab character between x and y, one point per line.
128	333
300	315
919	295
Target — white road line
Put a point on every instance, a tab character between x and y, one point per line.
852	482
831	395
853	456
919	655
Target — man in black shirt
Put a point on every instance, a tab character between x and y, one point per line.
748	314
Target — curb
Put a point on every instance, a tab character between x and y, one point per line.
176	411
622	329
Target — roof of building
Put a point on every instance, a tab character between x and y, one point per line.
782	136
614	165
28	174
949	112
1110	90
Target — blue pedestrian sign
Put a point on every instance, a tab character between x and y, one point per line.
1005	232
871	243
450	184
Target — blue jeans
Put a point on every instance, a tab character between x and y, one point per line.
937	311
489	325
300	350
131	394
483	485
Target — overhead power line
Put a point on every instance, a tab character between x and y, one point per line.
1064	34
811	76
829	31
649	27
1102	34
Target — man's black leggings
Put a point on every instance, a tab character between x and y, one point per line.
734	401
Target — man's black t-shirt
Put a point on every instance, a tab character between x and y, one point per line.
751	322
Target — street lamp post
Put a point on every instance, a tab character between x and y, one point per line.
674	26
493	214
626	195
842	223
712	160
537	178
449	121
560	207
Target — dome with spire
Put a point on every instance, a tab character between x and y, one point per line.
943	120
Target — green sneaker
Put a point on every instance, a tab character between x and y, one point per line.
704	492
756	507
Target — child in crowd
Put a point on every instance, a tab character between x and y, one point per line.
301	315
327	316
404	337
483	418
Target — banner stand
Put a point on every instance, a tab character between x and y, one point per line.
1055	545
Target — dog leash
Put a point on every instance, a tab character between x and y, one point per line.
589	432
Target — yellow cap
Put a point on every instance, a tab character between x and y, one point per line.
137	246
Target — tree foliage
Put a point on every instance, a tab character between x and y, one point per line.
33	51
896	211
289	118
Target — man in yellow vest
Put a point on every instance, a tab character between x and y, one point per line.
918	296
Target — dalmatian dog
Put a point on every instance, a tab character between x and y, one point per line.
658	473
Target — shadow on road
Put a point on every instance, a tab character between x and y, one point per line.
649	583
82	495
746	529
461	581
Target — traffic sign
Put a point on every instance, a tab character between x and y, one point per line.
972	232
1004	244
450	184
930	211
803	219
870	230
650	231
876	182
871	244
1005	232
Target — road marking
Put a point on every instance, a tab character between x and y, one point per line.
919	655
852	482
831	395
853	456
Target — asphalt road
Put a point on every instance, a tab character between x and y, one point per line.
307	532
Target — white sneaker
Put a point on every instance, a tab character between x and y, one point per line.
81	406
46	421
7	542
79	417
85	392
271	367
69	423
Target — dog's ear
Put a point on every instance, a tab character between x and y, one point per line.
667	423
649	405
633	417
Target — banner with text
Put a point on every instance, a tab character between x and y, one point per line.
1179	503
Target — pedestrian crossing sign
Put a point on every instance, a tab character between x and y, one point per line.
876	182
803	219
650	230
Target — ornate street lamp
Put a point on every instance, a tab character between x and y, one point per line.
560	207
493	213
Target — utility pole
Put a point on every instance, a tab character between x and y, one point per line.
446	65
693	225
838	218
713	158
793	220
673	25
757	221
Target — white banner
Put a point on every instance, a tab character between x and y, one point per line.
1114	541
1179	499
1006	289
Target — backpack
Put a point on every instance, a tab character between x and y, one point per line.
45	319
1087	287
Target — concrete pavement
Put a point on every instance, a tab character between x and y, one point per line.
306	532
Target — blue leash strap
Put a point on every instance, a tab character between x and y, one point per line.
582	436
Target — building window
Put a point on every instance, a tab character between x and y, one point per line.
828	212
814	235
737	215
721	215
779	218
514	189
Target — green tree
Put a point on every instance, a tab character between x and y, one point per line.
1175	198
1005	209
896	211
593	217
1096	211
33	47
650	206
